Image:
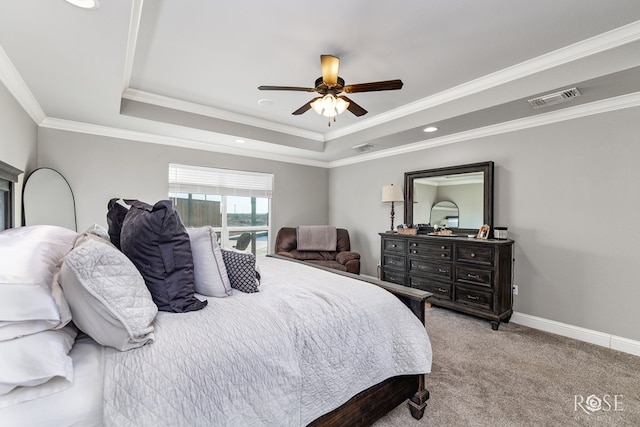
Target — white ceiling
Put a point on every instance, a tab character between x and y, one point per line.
186	72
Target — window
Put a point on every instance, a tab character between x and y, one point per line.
8	176
237	204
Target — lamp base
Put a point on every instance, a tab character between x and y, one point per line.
392	215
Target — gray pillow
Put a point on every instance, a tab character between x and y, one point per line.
108	297
209	271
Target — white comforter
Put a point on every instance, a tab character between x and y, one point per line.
299	348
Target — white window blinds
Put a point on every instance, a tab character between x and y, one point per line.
226	182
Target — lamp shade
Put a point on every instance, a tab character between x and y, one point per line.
391	193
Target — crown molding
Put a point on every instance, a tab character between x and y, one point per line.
186	106
132	41
91	129
18	88
191	107
597	107
612	104
582	49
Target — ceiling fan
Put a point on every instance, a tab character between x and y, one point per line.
330	103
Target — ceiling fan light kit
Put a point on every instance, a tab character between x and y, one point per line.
329	86
329	105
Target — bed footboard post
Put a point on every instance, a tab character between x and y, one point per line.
418	402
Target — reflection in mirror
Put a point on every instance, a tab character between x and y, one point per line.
464	191
467	187
445	214
47	199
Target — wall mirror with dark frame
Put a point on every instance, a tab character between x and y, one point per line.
47	199
466	189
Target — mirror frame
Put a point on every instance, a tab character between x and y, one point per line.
27	187
485	167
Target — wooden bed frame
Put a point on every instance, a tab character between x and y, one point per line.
369	405
366	407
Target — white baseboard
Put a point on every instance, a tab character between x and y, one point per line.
582	334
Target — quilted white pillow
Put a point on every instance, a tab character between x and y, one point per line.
30	297
108	297
209	270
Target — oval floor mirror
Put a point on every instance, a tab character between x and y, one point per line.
47	199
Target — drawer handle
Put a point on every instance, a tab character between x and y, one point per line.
443	255
473	255
471	297
393	246
443	247
440	270
413	251
473	276
444	291
414	244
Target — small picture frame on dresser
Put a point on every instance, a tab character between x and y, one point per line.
483	232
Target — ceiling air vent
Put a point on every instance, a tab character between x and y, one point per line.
554	98
362	148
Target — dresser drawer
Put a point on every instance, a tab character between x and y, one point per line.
440	250
395	262
475	254
474	297
394	245
440	270
440	290
393	277
476	276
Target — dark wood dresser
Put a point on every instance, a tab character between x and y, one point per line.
469	275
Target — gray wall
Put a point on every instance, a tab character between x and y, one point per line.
554	185
18	142
100	168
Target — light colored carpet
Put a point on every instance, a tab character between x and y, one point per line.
519	376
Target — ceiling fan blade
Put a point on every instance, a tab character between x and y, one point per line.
298	89
329	65
354	108
374	86
305	107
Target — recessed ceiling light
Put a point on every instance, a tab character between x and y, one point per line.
430	129
85	4
240	141
265	102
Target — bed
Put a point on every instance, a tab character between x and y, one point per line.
310	347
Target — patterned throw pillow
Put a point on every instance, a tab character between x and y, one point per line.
241	269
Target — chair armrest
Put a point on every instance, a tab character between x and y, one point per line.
286	254
346	256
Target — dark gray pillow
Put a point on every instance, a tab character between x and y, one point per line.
241	269
115	217
156	241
